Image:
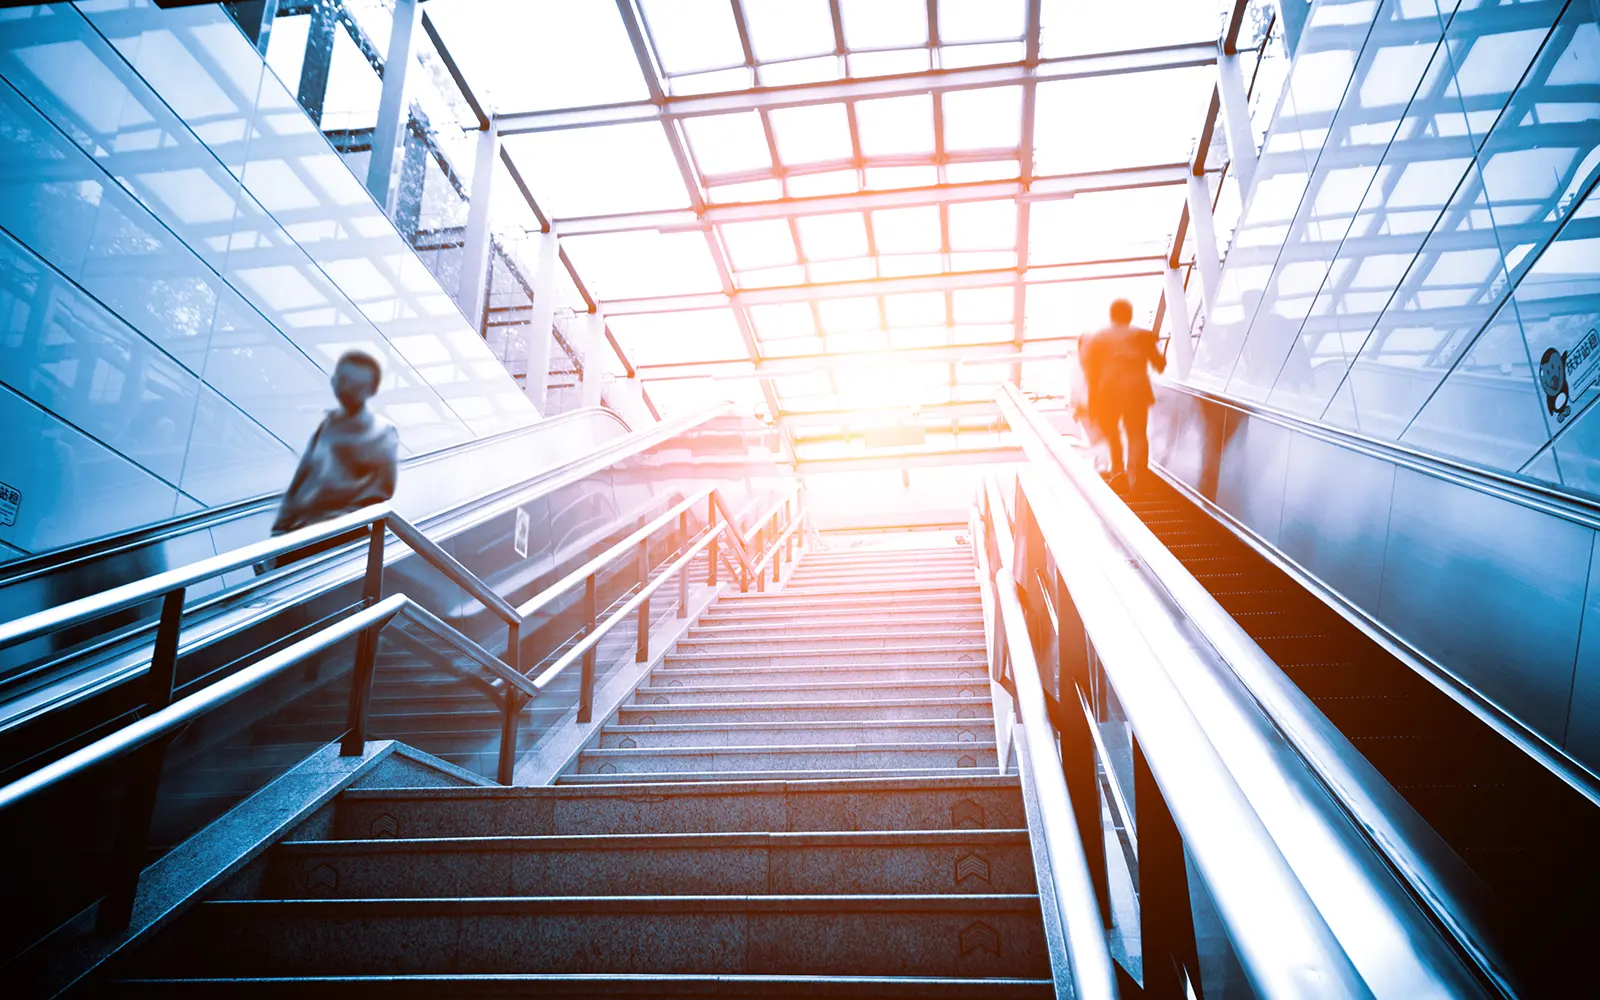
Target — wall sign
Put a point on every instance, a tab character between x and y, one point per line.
10	500
519	540
1567	375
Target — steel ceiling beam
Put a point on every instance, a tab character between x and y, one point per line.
660	106
1152	265
1030	103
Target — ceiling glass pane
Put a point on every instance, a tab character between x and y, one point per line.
896	125
855	269
983	119
726	144
994	53
833	237
886	178
919	309
832	182
983	305
983	225
1072	27
981	20
595	171
789	29
889	63
633	265
1103	225
841	316
783	320
983	170
675	338
691	35
788	74
768	277
884	24
907	230
749	191
711	83
759	244
1146	119
817	134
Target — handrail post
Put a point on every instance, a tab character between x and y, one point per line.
144	776
711	550
683	574
586	678
508	735
643	653
355	735
761	571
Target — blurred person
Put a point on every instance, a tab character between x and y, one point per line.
1116	365
351	461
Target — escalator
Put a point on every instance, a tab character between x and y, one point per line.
1526	833
520	511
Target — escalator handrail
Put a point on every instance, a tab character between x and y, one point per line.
53	560
186	710
1082	938
1412	847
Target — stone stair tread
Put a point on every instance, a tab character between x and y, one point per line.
795	748
651	841
596	986
709	777
691	727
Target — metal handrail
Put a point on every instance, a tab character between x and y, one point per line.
587	644
1093	974
452	568
540	600
1435	873
779	543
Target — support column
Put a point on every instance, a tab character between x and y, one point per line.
313	90
1204	230
392	110
1235	105
541	321
1181	353
592	349
472	292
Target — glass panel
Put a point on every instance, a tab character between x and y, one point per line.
817	134
983	119
831	237
759	244
692	35
1168	106
597	171
981	20
883	24
726	144
983	225
676	338
632	265
896	125
789	29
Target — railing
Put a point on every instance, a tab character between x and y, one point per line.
1203	780
147	738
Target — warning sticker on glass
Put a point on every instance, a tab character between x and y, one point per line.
10	500
1567	375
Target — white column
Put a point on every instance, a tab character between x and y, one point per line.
1204	231
627	398
1181	353
392	110
1235	106
474	283
541	321
592	349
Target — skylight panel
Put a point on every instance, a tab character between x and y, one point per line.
789	348
842	316
983	119
889	63
676	338
983	225
832	182
759	244
833	237
981	20
854	269
693	35
816	134
889	178
906	265
916	309
789	29
983	170
783	320
896	125
884	24
798	71
907	230
641	264
983	305
717	81
991	54
983	260
921	336
770	277
1153	118
596	171
726	144
855	342
724	194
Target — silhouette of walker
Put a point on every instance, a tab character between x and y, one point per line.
1116	371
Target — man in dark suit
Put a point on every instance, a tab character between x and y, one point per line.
1116	369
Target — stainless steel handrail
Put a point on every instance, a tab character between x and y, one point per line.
452	568
1282	940
1092	972
186	710
1434	872
589	641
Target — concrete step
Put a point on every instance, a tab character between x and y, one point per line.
651	694
845	612
924	862
703	734
787	655
983	935
919	576
843	626
849	598
951	554
772	712
839	774
798	757
925	636
590	987
717	672
969	801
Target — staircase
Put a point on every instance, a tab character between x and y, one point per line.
802	799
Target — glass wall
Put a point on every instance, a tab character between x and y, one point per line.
183	255
1417	260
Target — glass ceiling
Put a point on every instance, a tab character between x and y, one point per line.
850	214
